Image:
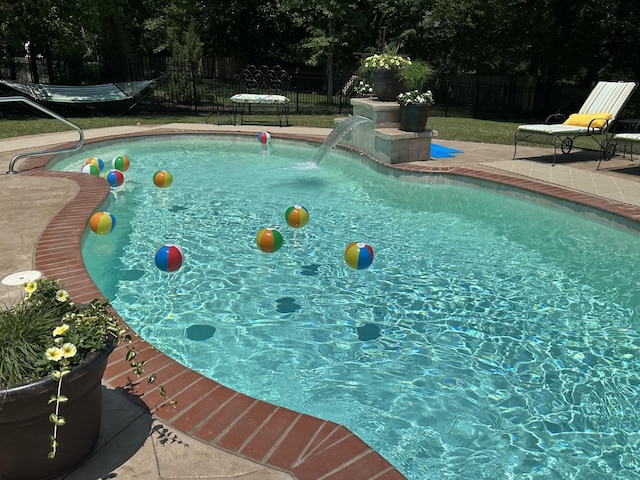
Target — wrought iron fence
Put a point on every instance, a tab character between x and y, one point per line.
203	87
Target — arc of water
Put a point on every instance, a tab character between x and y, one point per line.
337	133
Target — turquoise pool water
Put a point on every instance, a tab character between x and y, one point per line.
491	338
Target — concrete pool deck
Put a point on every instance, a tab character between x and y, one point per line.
211	431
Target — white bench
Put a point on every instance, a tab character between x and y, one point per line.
264	91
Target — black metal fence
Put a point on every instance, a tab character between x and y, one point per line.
207	86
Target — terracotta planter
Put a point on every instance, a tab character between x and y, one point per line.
413	118
25	426
387	84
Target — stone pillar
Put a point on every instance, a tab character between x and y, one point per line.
382	139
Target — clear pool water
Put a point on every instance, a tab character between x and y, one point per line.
491	338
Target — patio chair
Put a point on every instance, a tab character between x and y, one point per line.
125	92
593	120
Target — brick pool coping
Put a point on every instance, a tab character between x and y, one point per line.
302	445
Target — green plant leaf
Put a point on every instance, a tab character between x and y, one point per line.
57	419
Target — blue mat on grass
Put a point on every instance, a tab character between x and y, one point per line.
438	151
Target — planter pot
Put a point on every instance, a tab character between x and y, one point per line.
413	118
25	427
387	84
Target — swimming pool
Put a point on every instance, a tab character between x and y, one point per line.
507	330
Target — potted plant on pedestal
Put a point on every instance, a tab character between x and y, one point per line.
53	354
385	71
416	102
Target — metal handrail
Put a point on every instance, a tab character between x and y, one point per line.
52	114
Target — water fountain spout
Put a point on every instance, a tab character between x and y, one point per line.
337	133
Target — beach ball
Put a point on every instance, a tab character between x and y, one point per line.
114	177
297	216
95	161
91	169
264	137
269	240
120	163
169	258
162	179
102	223
358	255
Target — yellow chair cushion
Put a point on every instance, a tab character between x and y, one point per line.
583	119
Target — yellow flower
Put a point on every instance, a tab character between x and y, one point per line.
68	350
386	61
61	330
54	354
62	296
31	287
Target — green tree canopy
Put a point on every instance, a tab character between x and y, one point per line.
555	40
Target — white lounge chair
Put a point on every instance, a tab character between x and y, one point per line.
594	120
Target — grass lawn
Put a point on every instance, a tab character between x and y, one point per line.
449	128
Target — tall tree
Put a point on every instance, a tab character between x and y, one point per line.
332	28
251	30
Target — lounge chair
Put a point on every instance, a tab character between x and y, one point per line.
124	92
627	140
594	120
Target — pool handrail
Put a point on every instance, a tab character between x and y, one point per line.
33	104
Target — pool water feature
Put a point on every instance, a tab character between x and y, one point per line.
491	336
344	127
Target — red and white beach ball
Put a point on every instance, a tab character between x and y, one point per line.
264	137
